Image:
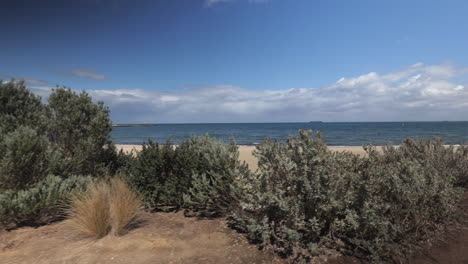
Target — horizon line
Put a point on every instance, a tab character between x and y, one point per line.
287	122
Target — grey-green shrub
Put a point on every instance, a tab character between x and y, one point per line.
23	159
449	161
307	200
211	192
197	175
42	202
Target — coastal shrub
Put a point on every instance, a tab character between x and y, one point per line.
40	203
154	173
197	175
307	200
449	161
211	192
68	136
76	128
24	158
105	207
80	132
20	107
121	162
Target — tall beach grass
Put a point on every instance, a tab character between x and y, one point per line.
107	206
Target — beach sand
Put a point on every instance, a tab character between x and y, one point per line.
245	152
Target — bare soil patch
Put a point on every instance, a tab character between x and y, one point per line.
164	238
173	238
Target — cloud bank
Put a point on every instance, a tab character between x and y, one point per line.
419	92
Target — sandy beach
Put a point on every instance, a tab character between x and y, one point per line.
245	152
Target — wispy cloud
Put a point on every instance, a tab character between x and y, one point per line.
418	92
210	3
28	80
86	73
34	81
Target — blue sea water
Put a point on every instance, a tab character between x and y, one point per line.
336	133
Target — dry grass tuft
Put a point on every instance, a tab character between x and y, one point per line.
125	206
90	210
105	206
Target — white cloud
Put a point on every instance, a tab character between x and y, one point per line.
419	92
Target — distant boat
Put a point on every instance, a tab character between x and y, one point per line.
133	125
315	122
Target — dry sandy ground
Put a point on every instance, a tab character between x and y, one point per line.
164	238
172	238
245	152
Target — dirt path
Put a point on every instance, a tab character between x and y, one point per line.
165	238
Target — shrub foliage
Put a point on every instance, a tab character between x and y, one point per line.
211	192
80	131
197	175
20	107
69	136
307	200
24	160
41	202
448	161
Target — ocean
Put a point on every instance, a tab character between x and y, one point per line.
336	133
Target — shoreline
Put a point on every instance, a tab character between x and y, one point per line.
245	152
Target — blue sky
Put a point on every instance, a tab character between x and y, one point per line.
246	60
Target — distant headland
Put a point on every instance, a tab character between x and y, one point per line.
133	125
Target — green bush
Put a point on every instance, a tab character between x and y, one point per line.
197	175
24	159
69	136
80	132
40	203
20	107
307	200
156	175
77	129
